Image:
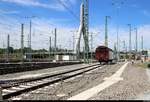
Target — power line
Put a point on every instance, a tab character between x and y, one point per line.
69	10
117	4
9	26
70	3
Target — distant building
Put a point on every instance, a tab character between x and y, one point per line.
66	57
144	55
148	53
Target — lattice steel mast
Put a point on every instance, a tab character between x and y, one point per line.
83	29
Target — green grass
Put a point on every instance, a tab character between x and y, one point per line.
142	65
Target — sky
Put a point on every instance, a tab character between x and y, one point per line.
65	16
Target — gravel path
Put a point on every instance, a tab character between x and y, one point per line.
71	87
146	94
40	72
134	84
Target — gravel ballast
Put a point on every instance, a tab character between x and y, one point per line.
71	87
135	83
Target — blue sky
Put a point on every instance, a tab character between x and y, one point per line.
50	14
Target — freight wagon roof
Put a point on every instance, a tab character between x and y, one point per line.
104	47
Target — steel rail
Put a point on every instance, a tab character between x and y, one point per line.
56	78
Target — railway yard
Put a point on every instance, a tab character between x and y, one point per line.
74	50
121	81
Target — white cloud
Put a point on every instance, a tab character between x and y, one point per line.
8	11
52	5
145	31
123	36
42	29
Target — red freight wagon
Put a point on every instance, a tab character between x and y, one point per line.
104	54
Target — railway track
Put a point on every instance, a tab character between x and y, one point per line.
17	87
